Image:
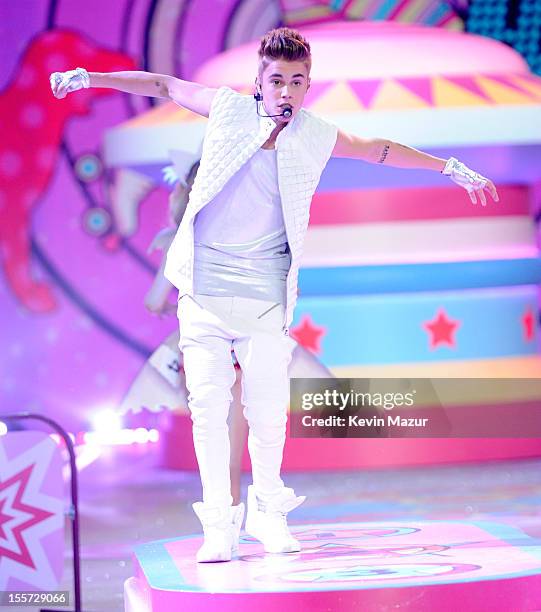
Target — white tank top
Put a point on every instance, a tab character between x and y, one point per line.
240	240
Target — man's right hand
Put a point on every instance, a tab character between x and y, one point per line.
62	83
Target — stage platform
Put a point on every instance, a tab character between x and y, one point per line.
370	566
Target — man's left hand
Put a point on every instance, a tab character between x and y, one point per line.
473	183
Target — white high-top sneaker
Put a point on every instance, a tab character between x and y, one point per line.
221	529
237	516
268	523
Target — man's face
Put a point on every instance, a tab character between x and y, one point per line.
282	83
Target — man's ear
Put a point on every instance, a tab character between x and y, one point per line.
309	82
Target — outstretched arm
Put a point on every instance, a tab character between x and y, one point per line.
193	96
382	151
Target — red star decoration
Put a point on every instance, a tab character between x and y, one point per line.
37	515
441	330
309	335
528	322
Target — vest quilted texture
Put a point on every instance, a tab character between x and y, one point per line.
234	133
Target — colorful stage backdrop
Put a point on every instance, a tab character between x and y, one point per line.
73	326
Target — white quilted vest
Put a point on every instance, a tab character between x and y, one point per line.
234	133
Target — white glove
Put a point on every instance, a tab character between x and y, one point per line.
170	175
62	83
472	182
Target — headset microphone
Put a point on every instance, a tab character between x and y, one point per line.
286	112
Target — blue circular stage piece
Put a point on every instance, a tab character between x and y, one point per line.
421	326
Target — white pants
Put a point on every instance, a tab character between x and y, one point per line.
210	327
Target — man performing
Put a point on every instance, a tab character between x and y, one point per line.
235	261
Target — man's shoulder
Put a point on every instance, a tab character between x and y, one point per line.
227	97
309	116
318	134
311	123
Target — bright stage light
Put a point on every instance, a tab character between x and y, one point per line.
141	435
3	428
106	422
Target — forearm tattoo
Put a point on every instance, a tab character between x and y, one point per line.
384	154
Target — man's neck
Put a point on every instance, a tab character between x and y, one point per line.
279	127
269	143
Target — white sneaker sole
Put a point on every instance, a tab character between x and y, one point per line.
268	547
